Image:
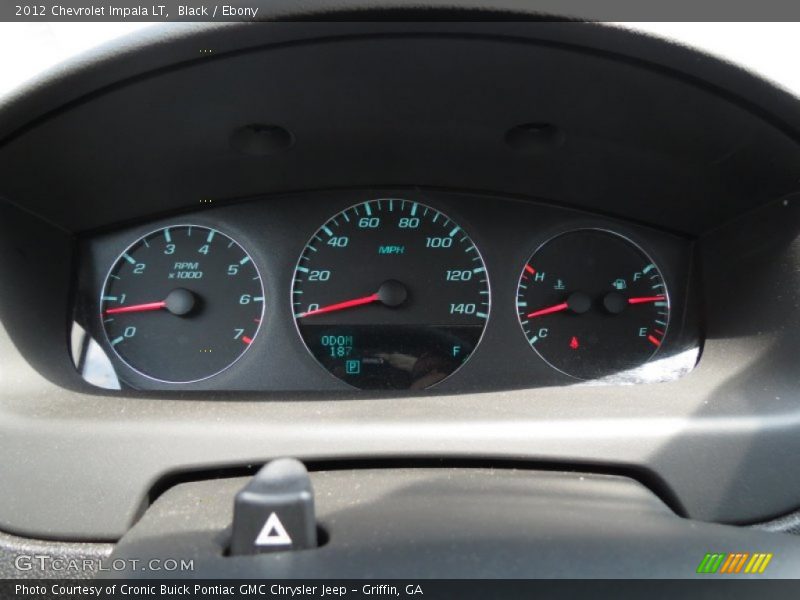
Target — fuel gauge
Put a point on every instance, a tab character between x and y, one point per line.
592	304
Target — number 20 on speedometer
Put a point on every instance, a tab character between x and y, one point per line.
391	294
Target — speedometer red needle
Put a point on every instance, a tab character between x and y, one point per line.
341	305
644	299
548	310
137	308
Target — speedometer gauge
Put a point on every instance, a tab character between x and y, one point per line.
391	294
182	304
592	304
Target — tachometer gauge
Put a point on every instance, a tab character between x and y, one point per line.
182	304
391	294
592	304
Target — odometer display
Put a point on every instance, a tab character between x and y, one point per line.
182	304
391	294
592	304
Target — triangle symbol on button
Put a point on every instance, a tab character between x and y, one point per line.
273	533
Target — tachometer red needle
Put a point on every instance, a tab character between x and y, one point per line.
341	305
644	299
548	310
136	308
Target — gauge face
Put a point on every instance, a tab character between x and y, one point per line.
391	294
182	304
592	304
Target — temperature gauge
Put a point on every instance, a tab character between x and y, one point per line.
592	304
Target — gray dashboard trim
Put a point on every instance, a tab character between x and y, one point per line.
461	523
26	558
121	448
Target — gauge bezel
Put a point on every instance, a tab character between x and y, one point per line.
625	238
348	208
116	261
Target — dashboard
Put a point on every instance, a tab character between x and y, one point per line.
392	289
433	260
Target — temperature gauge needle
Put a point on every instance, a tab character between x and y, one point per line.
549	310
137	308
341	305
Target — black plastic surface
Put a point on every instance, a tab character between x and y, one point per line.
437	122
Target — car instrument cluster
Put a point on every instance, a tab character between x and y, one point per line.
394	291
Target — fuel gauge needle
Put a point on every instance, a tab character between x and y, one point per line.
645	299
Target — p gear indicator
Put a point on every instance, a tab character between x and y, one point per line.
592	304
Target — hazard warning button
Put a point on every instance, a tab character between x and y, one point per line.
275	510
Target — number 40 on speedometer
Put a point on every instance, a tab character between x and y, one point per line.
391	294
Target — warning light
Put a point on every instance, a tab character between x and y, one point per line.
573	343
273	533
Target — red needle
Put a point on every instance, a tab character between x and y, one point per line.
548	310
137	308
341	305
644	299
